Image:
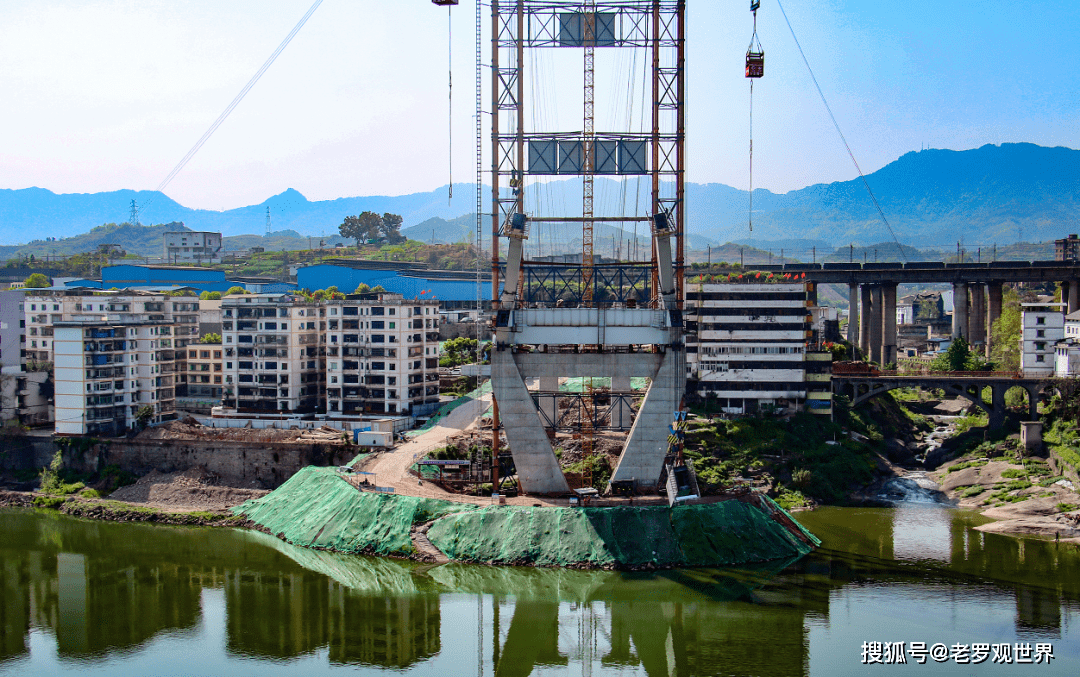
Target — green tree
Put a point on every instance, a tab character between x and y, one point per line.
144	415
37	281
390	229
211	338
458	351
236	290
958	357
366	226
362	289
1005	333
210	296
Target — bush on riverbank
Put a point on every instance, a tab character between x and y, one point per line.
793	457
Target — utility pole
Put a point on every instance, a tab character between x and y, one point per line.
851	253
814	251
740	257
268	221
710	257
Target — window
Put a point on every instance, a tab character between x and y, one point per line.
1040	333
1039	358
392	325
1040	320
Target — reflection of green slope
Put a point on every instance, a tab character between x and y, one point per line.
374	575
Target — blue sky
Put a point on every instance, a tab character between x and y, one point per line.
109	94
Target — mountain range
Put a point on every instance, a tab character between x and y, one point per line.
1001	194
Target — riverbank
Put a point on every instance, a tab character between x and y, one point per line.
317	508
1022	496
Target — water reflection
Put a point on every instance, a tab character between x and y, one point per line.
103	592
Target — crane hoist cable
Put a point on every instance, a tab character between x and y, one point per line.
755	68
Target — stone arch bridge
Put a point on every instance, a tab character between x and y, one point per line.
969	385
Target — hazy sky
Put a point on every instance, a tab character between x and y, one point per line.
110	94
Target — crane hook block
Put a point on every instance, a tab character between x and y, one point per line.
755	64
444	3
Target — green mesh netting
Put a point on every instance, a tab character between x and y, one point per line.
317	508
716	534
579	384
445	409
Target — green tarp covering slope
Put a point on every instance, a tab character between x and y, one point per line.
317	508
716	534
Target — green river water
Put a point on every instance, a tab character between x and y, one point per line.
100	598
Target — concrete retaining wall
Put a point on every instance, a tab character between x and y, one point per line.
262	464
1058	465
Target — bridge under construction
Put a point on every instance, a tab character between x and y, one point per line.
623	320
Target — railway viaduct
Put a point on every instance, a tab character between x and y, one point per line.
969	385
976	294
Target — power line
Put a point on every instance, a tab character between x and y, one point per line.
235	102
835	124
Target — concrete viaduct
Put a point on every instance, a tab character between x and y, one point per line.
968	385
976	294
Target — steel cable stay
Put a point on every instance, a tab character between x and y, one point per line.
832	117
234	103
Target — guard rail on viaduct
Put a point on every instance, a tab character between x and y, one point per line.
976	294
966	384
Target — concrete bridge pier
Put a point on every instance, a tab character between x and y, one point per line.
977	317
960	310
888	323
864	320
853	317
993	294
876	323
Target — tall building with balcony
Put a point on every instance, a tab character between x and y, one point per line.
274	353
382	355
200	384
749	348
107	369
45	308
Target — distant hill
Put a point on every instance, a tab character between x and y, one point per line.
932	198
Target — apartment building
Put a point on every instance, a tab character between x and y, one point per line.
749	348
200	385
382	355
1042	325
193	246
106	369
274	353
43	309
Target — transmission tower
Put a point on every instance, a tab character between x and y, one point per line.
134	217
268	231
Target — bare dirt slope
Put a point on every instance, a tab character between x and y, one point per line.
194	489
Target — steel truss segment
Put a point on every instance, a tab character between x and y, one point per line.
508	80
547	285
570	419
630	23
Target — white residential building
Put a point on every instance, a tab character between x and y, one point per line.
107	369
1072	325
1042	325
193	246
382	355
273	352
747	347
1067	358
